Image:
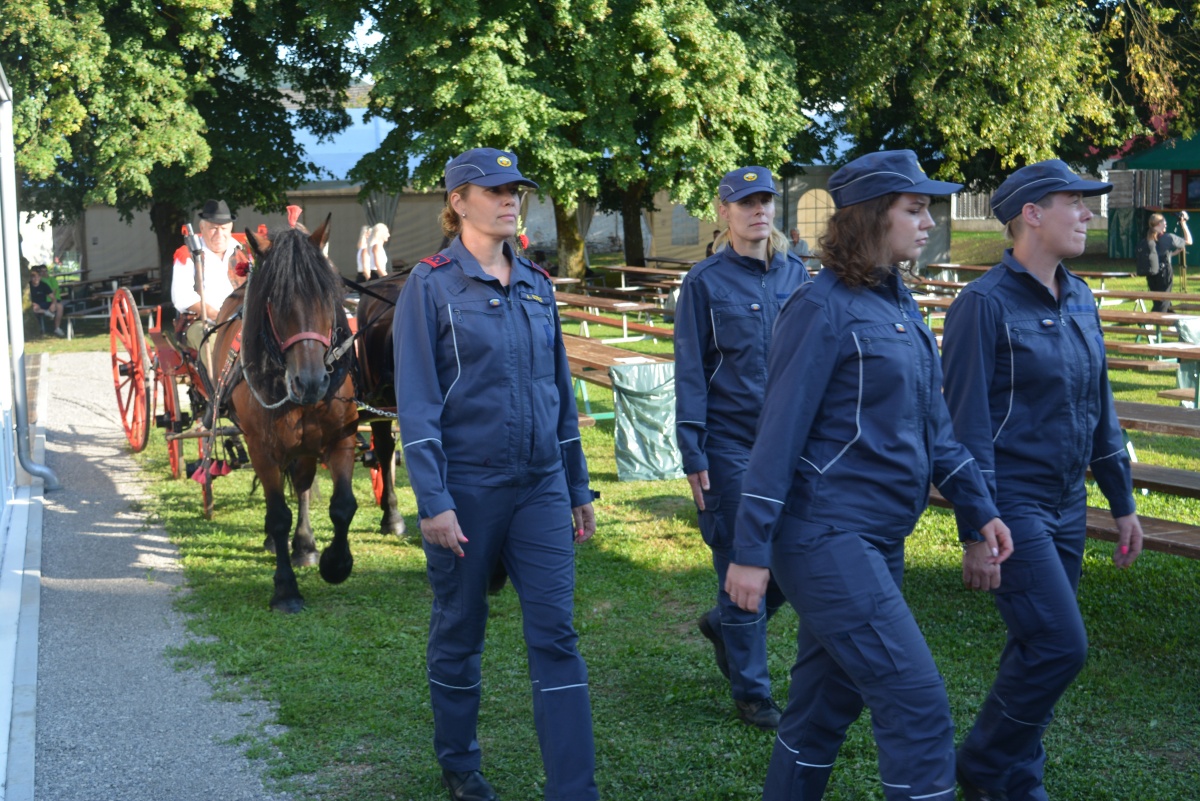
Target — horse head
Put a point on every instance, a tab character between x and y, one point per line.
293	315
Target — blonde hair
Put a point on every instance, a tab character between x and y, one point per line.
450	221
363	235
1153	222
379	232
777	242
1014	227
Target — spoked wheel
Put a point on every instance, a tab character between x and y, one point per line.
166	388
130	369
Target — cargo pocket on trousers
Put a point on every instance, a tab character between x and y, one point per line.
441	567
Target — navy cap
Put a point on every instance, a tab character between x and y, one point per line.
744	181
1033	182
878	174
484	166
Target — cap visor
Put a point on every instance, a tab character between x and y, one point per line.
931	187
500	179
749	190
1087	188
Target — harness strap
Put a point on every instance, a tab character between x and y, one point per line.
303	335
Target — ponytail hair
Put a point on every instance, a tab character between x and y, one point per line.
450	221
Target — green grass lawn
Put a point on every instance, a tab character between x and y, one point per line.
346	677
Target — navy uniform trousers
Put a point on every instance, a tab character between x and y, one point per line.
744	633
1046	647
858	643
528	528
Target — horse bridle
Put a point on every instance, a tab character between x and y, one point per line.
292	340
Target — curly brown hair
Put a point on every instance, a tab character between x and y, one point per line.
854	244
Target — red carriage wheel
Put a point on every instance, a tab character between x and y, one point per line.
130	369
165	385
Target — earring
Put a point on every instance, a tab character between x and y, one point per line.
464	215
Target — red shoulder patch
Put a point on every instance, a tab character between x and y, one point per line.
182	254
436	260
539	268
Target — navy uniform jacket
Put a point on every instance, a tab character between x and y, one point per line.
723	322
854	427
483	389
1027	385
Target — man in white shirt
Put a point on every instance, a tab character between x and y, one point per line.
220	254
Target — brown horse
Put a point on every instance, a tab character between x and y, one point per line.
295	402
376	310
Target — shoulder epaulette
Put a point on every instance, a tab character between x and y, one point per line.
436	260
182	254
538	267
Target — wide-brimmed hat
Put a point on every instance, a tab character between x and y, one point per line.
1033	182
745	181
216	212
878	174
484	166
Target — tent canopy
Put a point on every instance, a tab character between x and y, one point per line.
1173	154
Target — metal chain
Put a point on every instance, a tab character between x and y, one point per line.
380	412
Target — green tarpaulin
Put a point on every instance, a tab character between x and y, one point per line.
644	409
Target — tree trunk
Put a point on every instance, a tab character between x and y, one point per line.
571	261
631	222
167	220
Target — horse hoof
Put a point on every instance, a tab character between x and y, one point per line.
395	527
335	569
304	558
287	606
269	544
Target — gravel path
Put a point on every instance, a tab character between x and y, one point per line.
115	719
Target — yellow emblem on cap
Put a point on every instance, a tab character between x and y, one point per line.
751	176
504	161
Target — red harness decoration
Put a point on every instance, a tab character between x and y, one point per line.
303	335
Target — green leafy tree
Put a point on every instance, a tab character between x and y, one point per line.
978	87
665	94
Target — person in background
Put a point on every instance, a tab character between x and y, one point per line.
1027	385
221	253
362	255
708	249
378	256
1155	256
491	438
852	433
44	299
800	246
723	322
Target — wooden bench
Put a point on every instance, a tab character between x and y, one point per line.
596	319
1156	418
1165	536
1142	365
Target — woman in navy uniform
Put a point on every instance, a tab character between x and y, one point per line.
1027	385
491	438
853	431
723	321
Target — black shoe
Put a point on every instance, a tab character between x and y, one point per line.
973	792
714	636
763	713
468	786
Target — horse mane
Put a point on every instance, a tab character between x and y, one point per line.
292	273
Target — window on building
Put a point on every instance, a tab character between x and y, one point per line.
813	210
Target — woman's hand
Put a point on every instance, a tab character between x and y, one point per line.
585	522
442	529
699	484
1129	540
746	585
981	560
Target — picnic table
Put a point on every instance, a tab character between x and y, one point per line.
668	260
563	280
662	272
955	269
595	304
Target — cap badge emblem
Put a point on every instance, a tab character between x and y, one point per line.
750	176
504	161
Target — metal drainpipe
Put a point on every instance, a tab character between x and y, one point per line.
13	289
